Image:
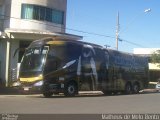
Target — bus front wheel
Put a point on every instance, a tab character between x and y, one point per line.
105	92
47	94
71	89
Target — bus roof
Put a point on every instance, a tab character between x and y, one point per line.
48	40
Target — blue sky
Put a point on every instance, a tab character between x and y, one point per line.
99	16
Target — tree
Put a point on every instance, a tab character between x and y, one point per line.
155	57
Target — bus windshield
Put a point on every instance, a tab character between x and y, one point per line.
33	60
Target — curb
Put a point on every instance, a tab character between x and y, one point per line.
149	91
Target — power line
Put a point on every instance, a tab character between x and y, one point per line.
97	34
121	40
90	33
65	28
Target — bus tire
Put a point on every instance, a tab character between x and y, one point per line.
128	88
136	88
46	92
70	89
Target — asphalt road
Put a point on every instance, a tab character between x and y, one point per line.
99	104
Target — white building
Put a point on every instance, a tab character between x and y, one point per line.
21	22
154	70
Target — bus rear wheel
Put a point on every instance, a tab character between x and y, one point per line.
128	88
136	88
71	89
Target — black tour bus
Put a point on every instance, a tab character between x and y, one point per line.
69	66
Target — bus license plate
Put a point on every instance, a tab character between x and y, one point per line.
26	88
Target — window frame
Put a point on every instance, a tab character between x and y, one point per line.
55	16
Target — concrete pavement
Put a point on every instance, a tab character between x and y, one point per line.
8	90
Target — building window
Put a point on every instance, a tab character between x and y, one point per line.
36	12
42	11
27	12
57	16
49	15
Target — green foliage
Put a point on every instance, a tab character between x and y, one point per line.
155	57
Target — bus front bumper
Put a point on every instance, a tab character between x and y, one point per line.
28	87
38	87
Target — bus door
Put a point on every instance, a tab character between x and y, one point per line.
106	72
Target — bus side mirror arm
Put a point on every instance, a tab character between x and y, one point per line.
18	49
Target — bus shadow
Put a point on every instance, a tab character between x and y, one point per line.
77	96
90	95
83	96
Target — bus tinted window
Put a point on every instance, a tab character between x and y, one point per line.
60	54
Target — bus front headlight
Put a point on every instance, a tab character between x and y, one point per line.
39	83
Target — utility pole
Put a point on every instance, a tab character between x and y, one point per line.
118	26
117	31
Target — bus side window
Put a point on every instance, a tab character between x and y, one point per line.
73	51
106	65
52	62
100	64
107	59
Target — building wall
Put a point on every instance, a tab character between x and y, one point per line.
2	59
144	51
2	13
14	59
15	22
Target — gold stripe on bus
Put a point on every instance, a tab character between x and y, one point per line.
31	79
56	42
